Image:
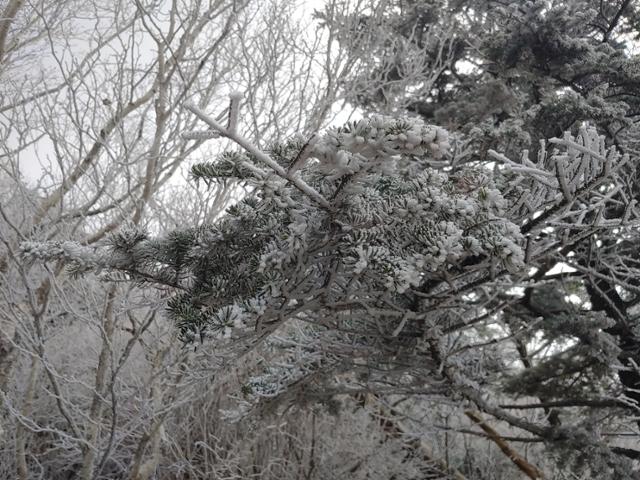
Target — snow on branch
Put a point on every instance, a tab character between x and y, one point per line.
377	269
255	151
570	185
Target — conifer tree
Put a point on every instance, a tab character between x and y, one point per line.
371	267
520	72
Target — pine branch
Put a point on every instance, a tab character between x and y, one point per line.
576	402
260	156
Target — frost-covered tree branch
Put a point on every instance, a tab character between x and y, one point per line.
467	243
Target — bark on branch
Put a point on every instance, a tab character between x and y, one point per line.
529	470
394	428
8	14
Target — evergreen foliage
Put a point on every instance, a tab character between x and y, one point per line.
520	72
405	258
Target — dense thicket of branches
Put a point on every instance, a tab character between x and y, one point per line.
455	270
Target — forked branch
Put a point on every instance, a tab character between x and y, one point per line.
231	133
